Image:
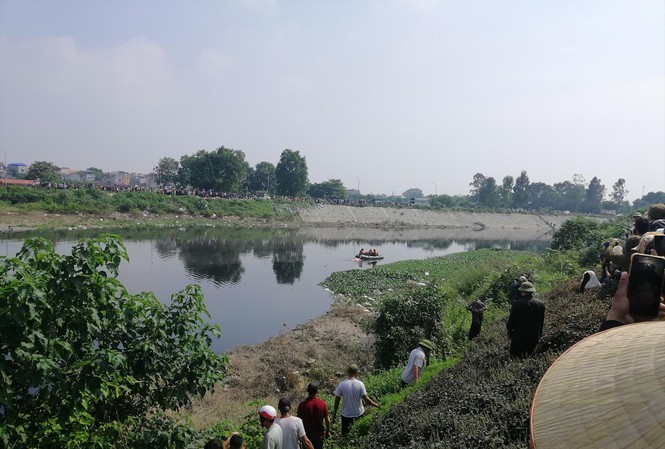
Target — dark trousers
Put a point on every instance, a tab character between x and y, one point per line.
474	331
318	444
347	423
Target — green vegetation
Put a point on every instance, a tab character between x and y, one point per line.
95	201
86	364
92	366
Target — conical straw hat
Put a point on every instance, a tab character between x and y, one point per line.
607	391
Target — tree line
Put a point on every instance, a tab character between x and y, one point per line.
226	170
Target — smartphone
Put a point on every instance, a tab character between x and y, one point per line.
645	284
659	244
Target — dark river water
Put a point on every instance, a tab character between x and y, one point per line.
258	282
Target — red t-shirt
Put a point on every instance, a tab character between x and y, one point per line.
313	411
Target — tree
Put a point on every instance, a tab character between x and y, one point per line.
261	178
488	194
506	191
166	171
44	172
478	180
82	359
291	174
594	195
542	196
413	193
96	172
570	196
649	199
619	192
222	170
521	197
330	189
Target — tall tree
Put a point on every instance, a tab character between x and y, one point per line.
261	178
222	170
619	192
478	180
594	195
488	194
521	191
330	189
570	196
413	193
44	172
542	196
506	191
291	174
166	171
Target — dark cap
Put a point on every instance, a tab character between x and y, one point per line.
312	388
284	405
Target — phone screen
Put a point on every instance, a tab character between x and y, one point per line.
659	244
645	284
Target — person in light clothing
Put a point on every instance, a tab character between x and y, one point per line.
272	438
293	431
353	392
417	362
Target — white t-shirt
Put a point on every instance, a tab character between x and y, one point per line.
292	431
416	358
351	391
272	439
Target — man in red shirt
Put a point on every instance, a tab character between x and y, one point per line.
313	411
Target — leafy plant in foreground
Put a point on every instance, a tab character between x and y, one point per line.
82	360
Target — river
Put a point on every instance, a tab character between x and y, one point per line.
259	282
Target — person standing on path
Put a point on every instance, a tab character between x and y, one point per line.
353	392
525	322
417	362
477	308
313	412
272	438
293	431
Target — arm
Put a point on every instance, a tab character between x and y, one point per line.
415	374
369	401
328	425
306	444
335	408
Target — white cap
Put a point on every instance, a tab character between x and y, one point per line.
268	412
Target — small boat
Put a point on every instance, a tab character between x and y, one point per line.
366	257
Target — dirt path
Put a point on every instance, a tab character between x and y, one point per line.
318	350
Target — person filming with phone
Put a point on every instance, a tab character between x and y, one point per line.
640	298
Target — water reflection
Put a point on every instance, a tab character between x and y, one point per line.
253	280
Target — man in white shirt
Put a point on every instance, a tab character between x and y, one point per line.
293	430
416	363
272	438
353	392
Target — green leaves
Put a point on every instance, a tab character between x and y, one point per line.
79	353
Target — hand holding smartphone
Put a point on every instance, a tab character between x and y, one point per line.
645	285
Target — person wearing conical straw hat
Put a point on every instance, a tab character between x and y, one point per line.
525	322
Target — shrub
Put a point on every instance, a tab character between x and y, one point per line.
84	361
403	320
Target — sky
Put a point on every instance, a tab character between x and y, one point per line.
384	95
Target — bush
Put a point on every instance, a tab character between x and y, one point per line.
83	361
404	320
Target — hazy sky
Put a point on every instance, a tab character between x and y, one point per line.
385	95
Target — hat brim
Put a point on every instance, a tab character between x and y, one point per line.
606	391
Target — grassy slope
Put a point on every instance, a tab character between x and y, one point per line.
482	397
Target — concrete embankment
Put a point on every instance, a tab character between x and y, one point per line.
388	217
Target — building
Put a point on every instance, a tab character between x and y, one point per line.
17	169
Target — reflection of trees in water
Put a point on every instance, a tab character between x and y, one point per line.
215	259
429	244
166	248
288	260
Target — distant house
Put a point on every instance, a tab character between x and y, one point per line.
17	168
120	178
64	171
